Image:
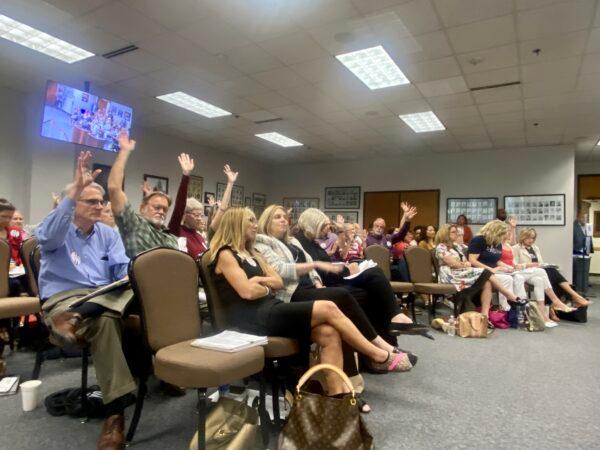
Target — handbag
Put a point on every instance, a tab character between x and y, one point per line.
472	325
231	425
324	423
577	315
533	315
499	319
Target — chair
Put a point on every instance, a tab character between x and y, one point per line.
26	251
165	283
278	347
421	268
381	256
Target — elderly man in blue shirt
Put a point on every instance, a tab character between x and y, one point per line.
78	255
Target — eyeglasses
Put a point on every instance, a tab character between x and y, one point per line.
195	215
93	202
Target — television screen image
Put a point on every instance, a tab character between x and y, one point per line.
79	117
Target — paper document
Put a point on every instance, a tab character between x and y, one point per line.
102	290
365	265
230	341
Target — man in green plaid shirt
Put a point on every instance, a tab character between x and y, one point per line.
142	231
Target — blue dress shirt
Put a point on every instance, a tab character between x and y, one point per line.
71	260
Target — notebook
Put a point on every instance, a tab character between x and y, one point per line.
230	341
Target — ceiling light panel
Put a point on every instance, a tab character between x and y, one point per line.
374	67
39	41
279	139
193	104
423	122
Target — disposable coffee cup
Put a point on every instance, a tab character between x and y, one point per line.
30	394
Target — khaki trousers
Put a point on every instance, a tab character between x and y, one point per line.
103	334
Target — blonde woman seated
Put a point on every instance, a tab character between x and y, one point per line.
454	268
528	254
246	284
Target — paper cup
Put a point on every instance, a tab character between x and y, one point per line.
29	394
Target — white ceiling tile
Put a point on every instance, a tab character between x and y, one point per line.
268	100
257	116
500	94
294	48
593	44
494	119
281	78
171	16
212	69
123	22
451	101
591	64
242	86
312	13
214	35
549	71
532	4
432	70
484	34
446	86
371	6
553	47
321	70
555	19
77	7
550	87
401	93
501	107
416	48
106	69
409	107
172	48
142	61
341	116
508	142
345	36
251	59
88	37
492	77
418	16
460	12
490	59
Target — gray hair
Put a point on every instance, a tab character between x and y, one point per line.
192	204
92	185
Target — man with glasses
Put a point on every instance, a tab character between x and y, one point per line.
78	255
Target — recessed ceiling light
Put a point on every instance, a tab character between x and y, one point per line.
39	41
423	122
374	67
193	104
279	139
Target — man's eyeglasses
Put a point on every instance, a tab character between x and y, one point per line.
195	215
93	202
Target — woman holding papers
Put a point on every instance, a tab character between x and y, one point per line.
246	284
368	286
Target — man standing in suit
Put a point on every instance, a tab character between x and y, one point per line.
582	249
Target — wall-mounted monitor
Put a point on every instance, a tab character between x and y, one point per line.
79	117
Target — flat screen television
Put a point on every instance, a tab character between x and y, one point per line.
79	117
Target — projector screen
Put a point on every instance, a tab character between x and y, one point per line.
79	117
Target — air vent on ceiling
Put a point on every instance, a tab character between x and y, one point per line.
121	51
494	86
258	122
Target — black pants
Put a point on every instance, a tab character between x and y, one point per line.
581	274
351	309
556	279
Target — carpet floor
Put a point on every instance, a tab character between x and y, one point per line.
513	390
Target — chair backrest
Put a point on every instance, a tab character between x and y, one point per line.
27	248
165	282
217	312
4	267
420	266
380	255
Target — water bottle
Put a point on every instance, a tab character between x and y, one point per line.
451	326
521	316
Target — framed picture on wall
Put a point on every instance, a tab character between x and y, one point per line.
478	211
248	201
160	184
349	216
237	194
259	203
536	210
298	205
342	197
195	186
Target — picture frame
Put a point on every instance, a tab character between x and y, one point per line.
237	194
102	178
478	210
342	197
248	202
299	204
195	187
537	210
157	183
349	216
259	203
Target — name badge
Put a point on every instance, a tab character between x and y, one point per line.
323	245
75	258
389	244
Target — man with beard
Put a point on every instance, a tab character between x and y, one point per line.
377	235
147	229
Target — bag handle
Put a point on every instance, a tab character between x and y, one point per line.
314	369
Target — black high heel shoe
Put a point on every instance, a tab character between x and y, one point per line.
396	329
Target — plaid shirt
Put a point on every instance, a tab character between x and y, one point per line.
139	234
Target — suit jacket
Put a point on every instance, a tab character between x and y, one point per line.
522	256
579	240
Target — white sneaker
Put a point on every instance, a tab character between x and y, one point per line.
550	324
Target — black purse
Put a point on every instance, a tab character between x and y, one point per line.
577	315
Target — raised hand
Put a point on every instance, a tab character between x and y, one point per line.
83	176
410	213
231	175
405	206
339	219
146	188
211	200
186	163
125	144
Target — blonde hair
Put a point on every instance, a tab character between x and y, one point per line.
527	233
442	236
266	218
232	233
311	221
493	231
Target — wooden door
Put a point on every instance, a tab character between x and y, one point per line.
428	206
381	204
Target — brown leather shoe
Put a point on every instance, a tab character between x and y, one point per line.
112	436
65	324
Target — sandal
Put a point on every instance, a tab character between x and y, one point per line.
395	362
362	405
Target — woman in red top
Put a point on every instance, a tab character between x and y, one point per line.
462	222
12	235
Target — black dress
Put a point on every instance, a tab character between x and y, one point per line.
554	276
264	316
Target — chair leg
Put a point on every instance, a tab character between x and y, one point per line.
139	404
203	405
265	420
37	367
411	300
84	379
275	389
432	308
